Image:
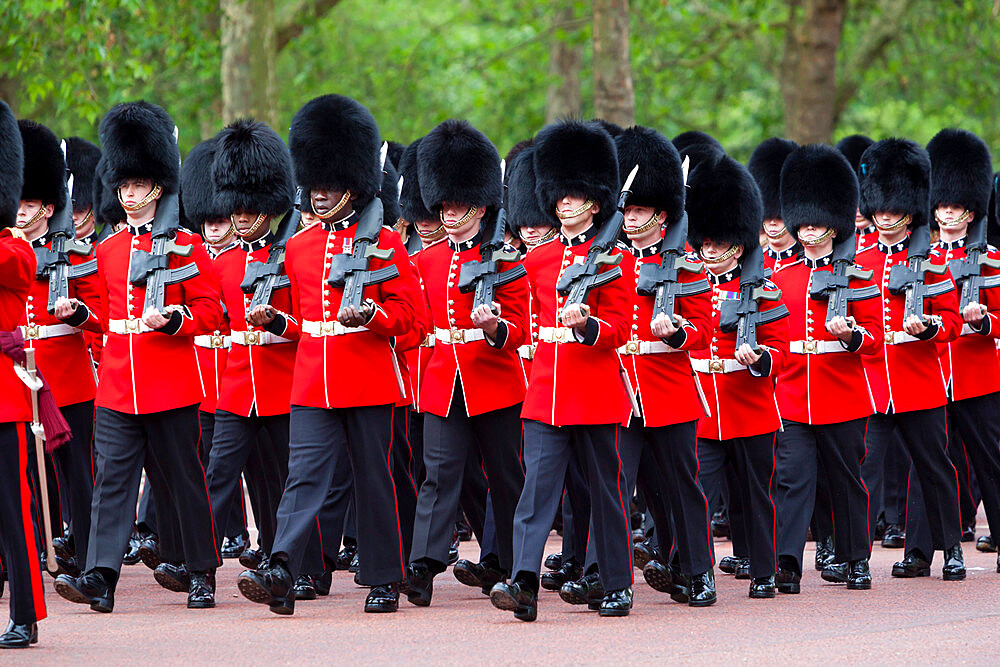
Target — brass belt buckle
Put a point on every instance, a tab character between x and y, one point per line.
457	336
715	366
810	347
252	338
632	347
132	325
889	338
326	328
428	341
31	332
559	335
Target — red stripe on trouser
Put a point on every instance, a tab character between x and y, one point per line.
395	499
774	513
868	495
708	510
37	588
625	514
958	495
204	484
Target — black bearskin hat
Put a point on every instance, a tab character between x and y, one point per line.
694	137
252	170
11	166
107	209
853	146
660	180
522	203
765	166
818	186
335	145
993	221
389	194
395	152
44	165
458	163
411	205
614	129
895	176
197	188
81	159
573	157
138	141
961	170
723	203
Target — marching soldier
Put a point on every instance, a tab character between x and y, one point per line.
141	418
906	380
961	180
822	392
17	275
765	166
57	338
334	143
473	386
725	213
575	400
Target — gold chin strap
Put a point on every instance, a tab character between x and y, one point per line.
153	194
966	215
721	258
819	239
572	214
86	219
253	228
33	219
461	221
229	232
654	221
905	220
335	210
542	239
433	235
776	235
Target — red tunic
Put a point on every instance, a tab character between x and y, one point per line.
353	369
908	376
742	403
663	382
831	387
867	237
257	378
490	373
571	382
64	360
775	260
419	355
213	352
17	274
970	363
153	371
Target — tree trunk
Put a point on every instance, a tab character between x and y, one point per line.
248	52
563	98
614	97
809	69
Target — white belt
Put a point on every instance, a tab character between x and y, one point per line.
526	352
815	347
428	341
640	347
129	326
458	336
257	338
556	335
717	365
36	332
212	342
314	328
898	337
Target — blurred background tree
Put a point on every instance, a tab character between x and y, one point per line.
811	70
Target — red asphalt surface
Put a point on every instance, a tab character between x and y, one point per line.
900	621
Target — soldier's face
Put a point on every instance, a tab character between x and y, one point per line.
775	228
32	215
574	217
308	219
454	213
533	234
636	217
323	201
710	250
216	230
134	190
950	214
860	221
83	222
809	233
427	226
250	226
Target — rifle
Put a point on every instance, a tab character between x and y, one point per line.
910	277
968	272
53	262
834	286
262	278
744	314
660	280
579	279
150	269
483	275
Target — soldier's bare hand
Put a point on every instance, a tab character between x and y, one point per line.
842	327
746	356
355	317
914	325
487	318
576	316
154	319
261	315
974	314
663	327
65	308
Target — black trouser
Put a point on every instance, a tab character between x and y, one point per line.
576	511
416	436
448	446
318	438
660	517
752	460
935	503
717	474
822	515
547	454
17	533
472	505
884	471
168	444
673	456
968	499
834	451
402	475
232	524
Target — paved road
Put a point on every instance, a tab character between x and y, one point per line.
902	621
